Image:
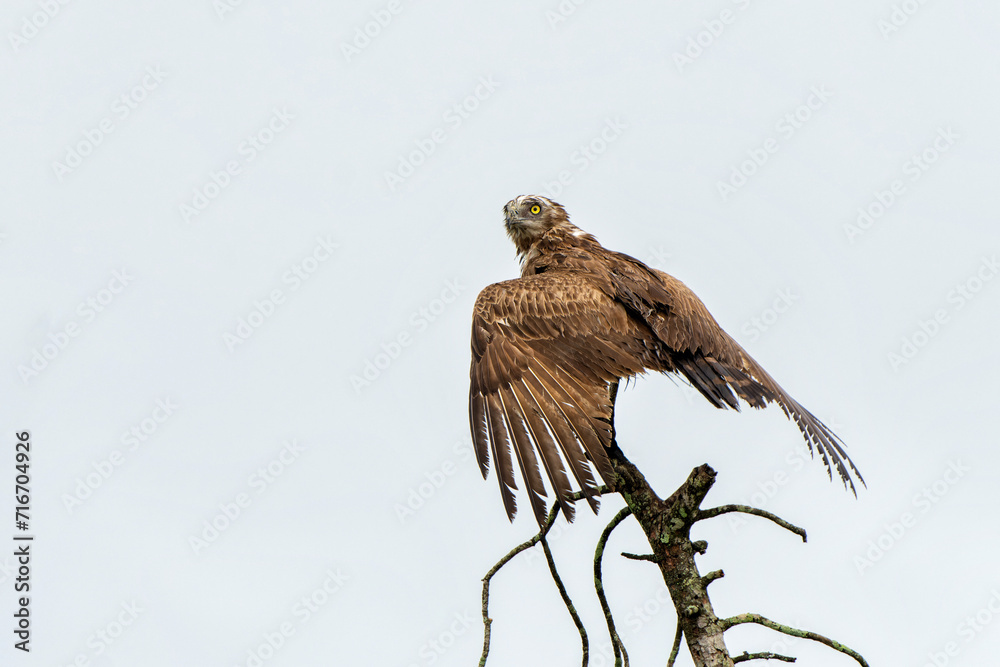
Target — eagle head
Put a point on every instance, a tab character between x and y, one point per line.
528	217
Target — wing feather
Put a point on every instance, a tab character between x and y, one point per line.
480	437
524	453
586	438
500	443
546	348
572	451
551	460
713	361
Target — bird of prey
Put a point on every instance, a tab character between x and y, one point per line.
549	348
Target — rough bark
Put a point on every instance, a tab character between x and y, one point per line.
667	525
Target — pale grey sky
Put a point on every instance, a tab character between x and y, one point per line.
240	245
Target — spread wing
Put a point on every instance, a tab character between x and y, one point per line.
544	350
546	347
711	360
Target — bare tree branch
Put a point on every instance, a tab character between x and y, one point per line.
650	557
677	645
762	656
667	525
487	621
745	509
616	642
794	632
569	603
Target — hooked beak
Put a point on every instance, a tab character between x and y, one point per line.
510	216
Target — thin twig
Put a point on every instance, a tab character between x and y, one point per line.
650	557
487	621
794	632
569	603
677	644
746	509
762	656
616	642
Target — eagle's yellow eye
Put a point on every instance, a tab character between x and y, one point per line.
536	209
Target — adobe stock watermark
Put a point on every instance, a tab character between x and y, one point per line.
105	637
420	320
642	615
33	23
87	311
123	106
562	12
971	627
436	647
432	481
454	117
231	510
786	127
8	568
302	612
225	7
247	151
603	654
782	303
712	30
365	34
296	276
912	171
585	155
956	299
135	437
765	491
922	502
657	257
900	15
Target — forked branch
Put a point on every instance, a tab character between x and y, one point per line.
535	539
666	524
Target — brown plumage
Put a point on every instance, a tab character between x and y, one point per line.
549	348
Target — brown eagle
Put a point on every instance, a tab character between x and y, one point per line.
549	348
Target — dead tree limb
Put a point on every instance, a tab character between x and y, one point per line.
667	526
762	656
569	603
650	557
616	642
677	645
487	621
794	632
745	509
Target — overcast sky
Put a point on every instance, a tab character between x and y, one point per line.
239	247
